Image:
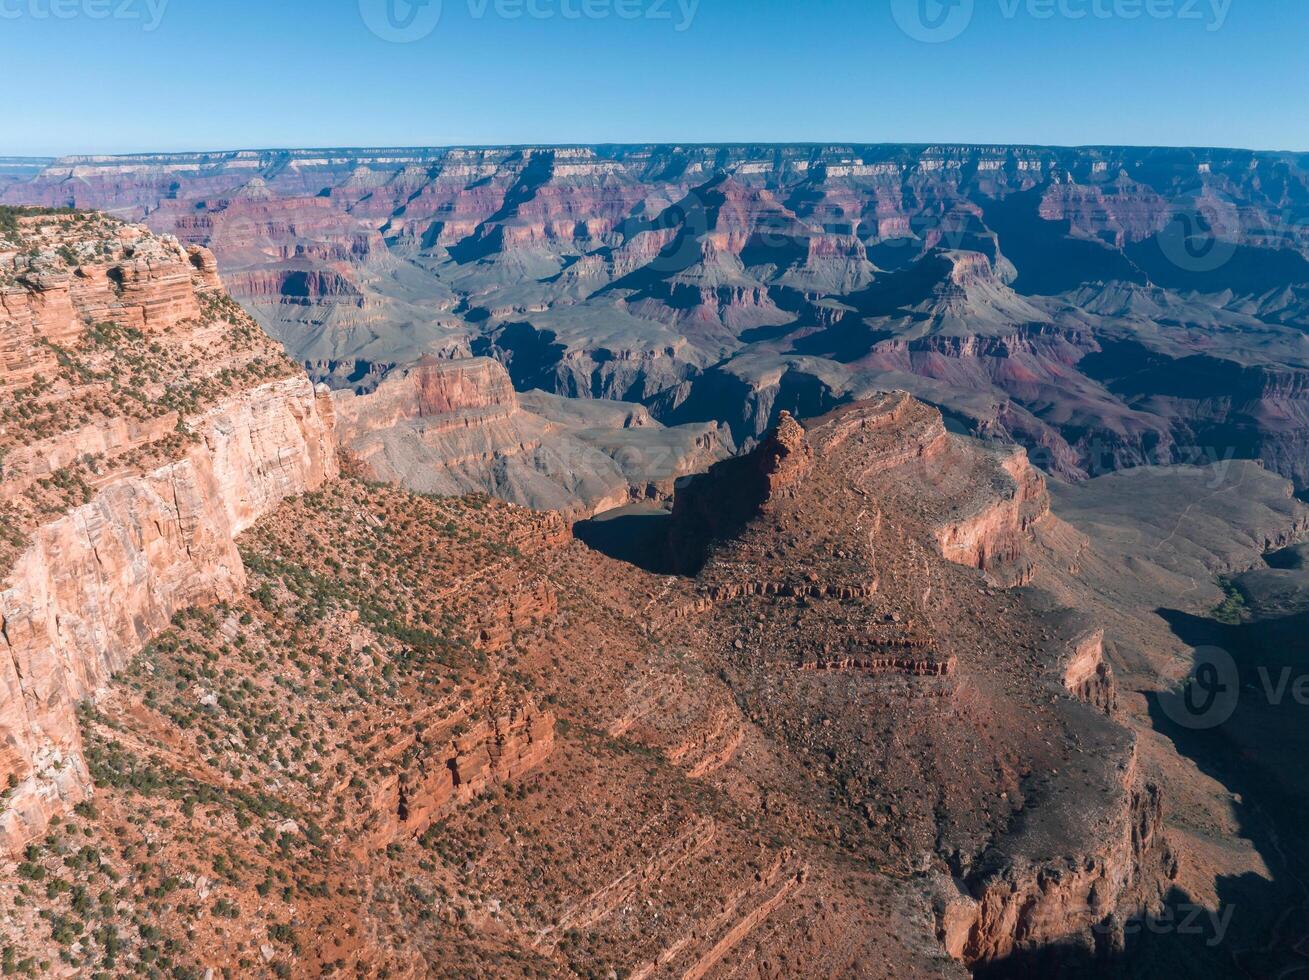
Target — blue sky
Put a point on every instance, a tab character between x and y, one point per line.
129	75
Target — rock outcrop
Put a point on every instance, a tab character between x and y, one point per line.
495	750
457	426
992	532
709	510
878	492
1024	905
1087	674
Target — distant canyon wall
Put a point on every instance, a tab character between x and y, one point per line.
1051	296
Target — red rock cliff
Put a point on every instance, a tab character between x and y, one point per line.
138	522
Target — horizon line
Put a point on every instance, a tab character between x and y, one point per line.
689	144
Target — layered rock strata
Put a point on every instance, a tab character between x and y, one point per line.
124	512
457	426
1044	294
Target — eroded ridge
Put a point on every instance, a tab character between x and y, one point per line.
941	671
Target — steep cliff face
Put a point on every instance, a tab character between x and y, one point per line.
124	509
432	389
455	427
1088	675
1122	868
95	585
451	768
713	509
992	531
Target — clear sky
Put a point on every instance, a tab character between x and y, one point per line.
131	75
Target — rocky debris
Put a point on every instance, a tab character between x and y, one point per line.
697	836
1022	904
779	884
905	665
807	589
993	533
